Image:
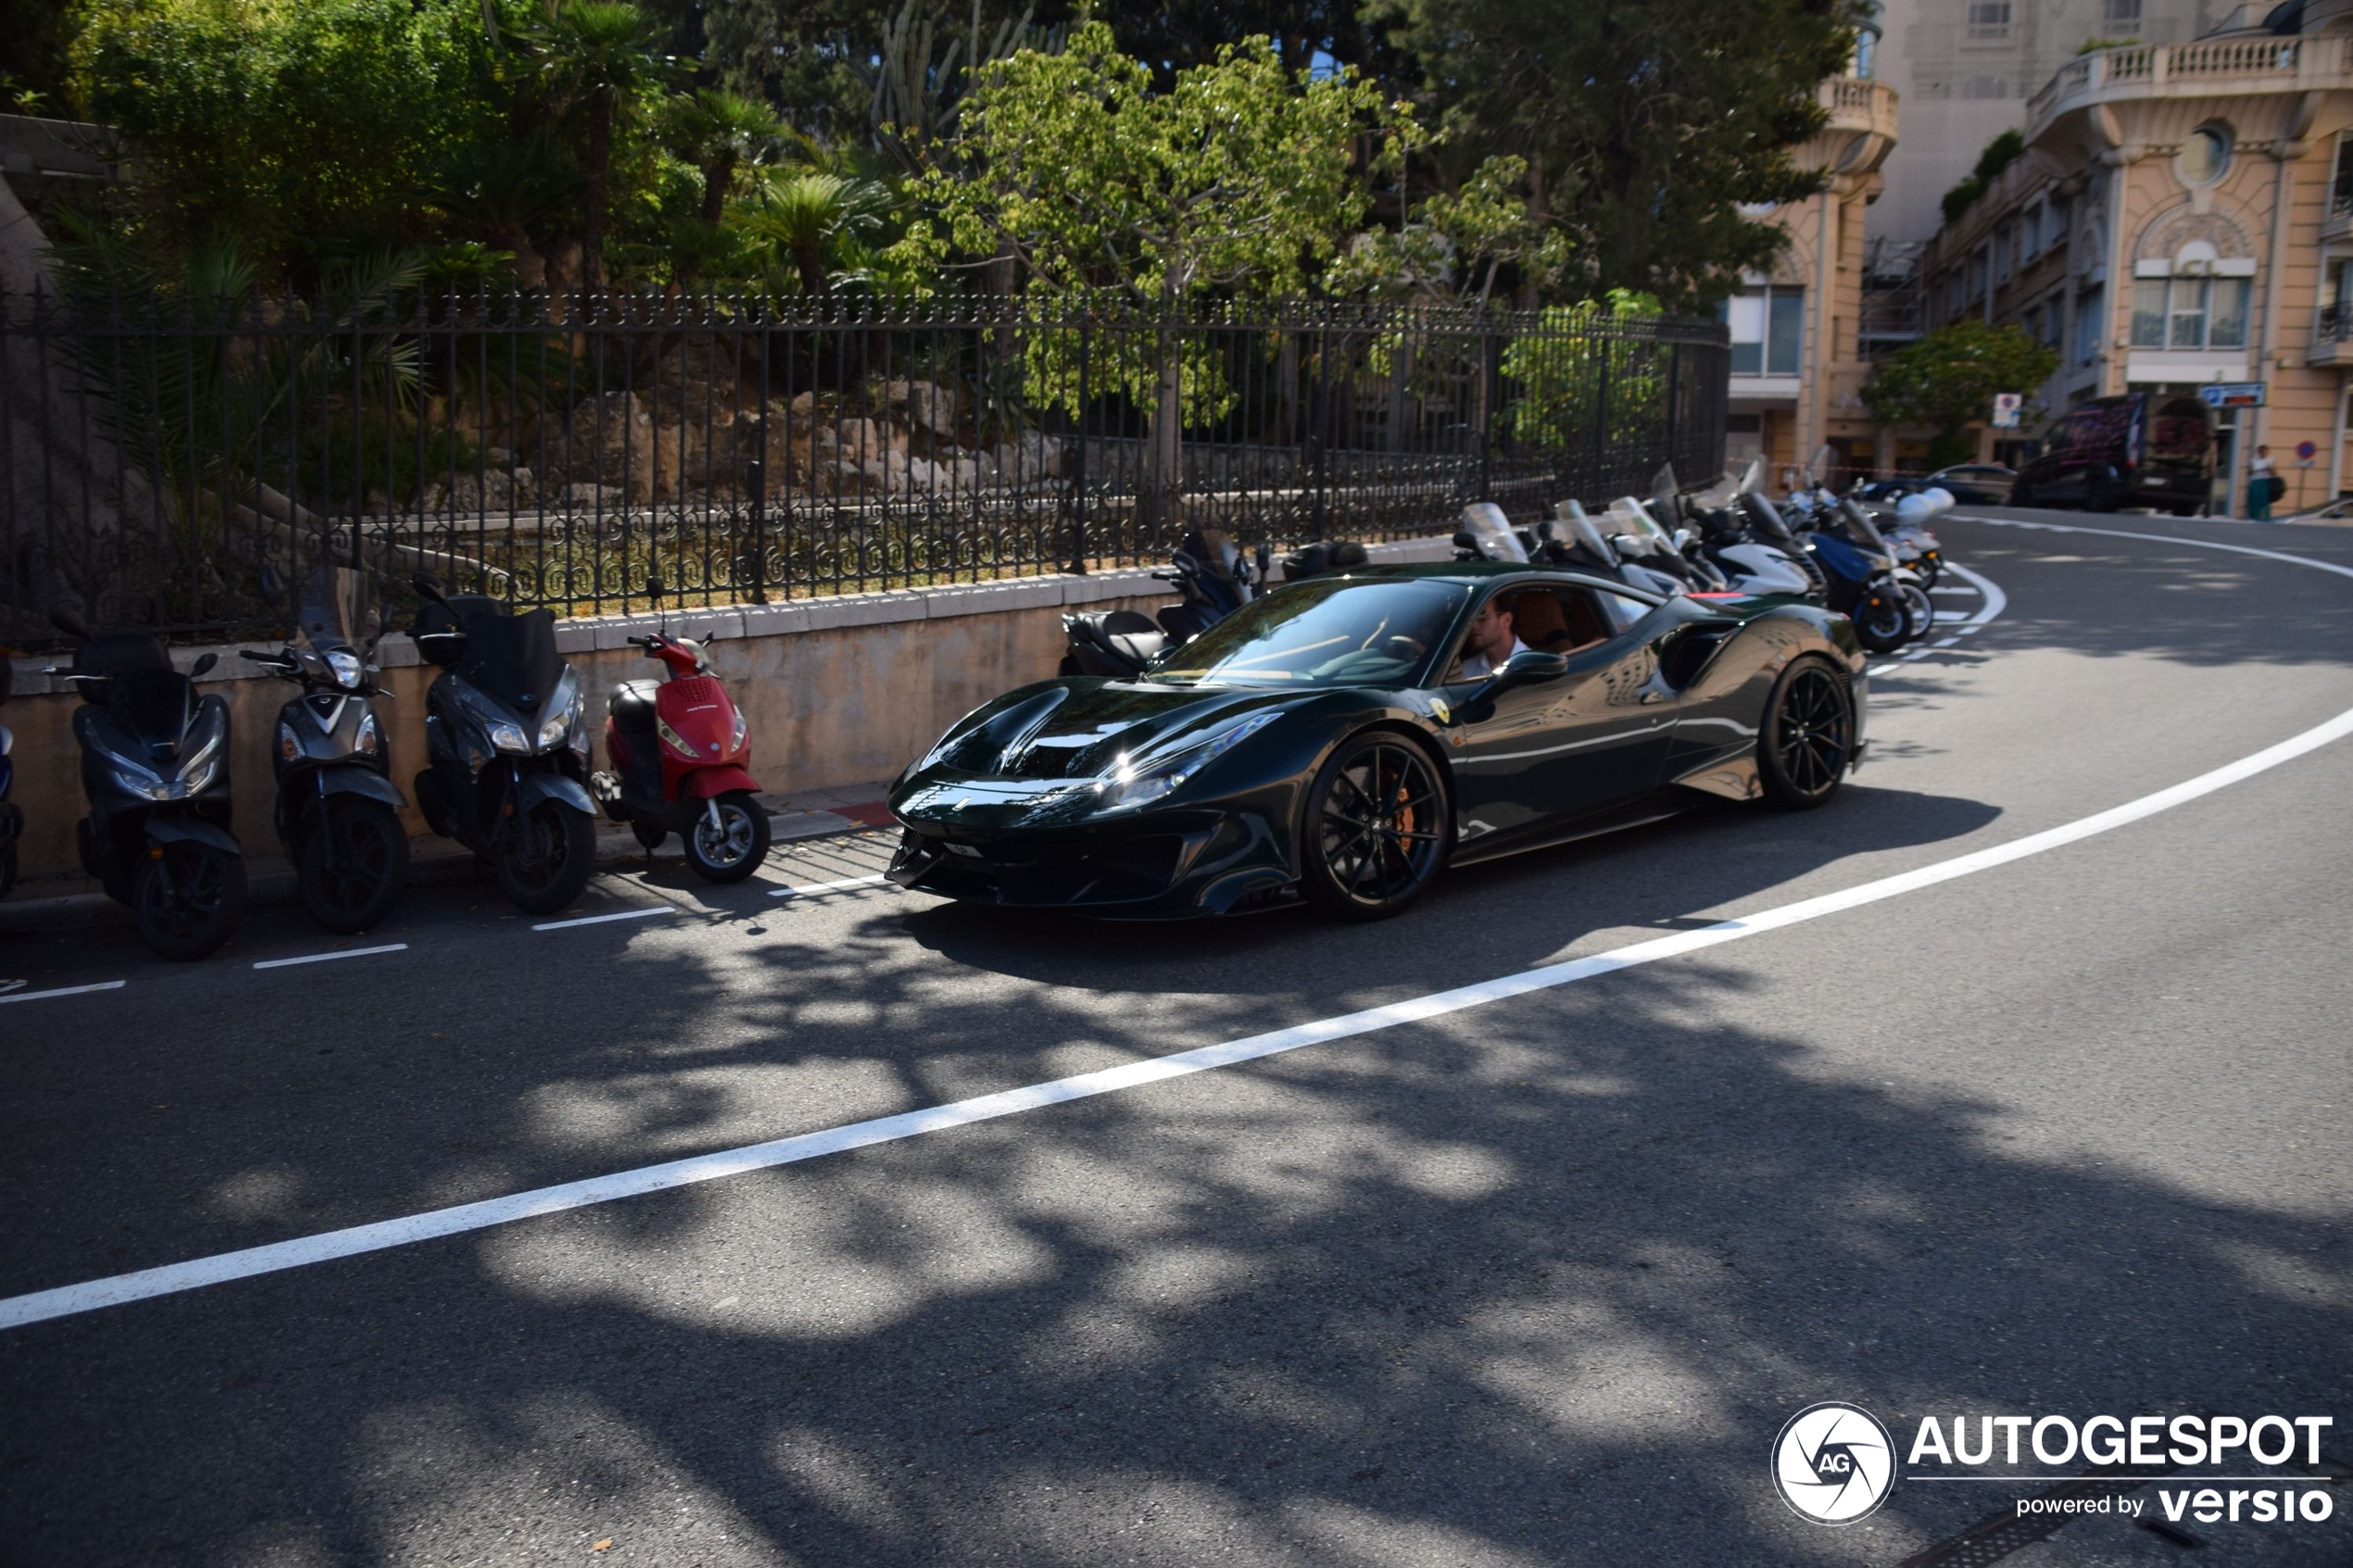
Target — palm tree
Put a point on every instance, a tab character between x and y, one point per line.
719	132
809	213
596	55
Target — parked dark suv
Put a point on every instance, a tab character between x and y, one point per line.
2141	449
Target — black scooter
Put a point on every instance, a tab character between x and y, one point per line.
155	765
338	813
505	752
1214	578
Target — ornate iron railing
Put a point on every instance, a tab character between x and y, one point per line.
562	451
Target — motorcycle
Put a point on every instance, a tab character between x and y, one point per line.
11	814
338	813
679	751
1213	577
506	753
155	766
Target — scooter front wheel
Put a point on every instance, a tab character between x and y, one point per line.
186	897
729	839
544	863
1919	611
1880	624
353	866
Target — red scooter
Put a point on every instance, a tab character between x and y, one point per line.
678	749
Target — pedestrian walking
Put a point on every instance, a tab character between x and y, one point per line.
2263	484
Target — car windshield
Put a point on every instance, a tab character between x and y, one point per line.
1322	634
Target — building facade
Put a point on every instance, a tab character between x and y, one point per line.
1797	367
2182	218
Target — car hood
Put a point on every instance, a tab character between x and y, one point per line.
1038	754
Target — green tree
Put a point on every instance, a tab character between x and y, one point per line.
1458	244
597	57
1948	380
1241	176
1645	123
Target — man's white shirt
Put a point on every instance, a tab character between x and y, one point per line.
1477	667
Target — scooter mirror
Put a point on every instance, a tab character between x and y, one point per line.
654	590
273	588
427	589
70	623
203	666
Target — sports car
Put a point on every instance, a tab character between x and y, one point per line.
1330	743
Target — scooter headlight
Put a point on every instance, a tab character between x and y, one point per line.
368	742
673	740
563	711
207	753
735	742
508	736
289	744
135	780
346	667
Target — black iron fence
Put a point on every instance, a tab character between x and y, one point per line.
563	451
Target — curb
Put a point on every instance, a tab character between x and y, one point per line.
443	863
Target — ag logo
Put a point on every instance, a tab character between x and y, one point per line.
1834	1463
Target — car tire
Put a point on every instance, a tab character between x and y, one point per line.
1807	740
1377	827
2102	495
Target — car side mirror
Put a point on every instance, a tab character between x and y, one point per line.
1529	667
203	666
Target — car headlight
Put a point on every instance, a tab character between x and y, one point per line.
346	667
1130	783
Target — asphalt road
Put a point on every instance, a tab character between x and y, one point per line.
1534	1281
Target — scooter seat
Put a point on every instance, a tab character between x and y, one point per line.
632	706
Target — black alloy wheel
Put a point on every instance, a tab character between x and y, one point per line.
545	859
186	897
1807	739
1378	828
732	847
350	882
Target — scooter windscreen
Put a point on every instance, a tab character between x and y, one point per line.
512	658
342	621
1492	534
1767	517
1587	533
1628	516
1865	531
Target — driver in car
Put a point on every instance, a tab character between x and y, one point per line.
1491	643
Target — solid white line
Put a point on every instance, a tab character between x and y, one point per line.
145	1283
65	991
599	919
841	886
325	958
1944	643
2160	539
1948	589
1995	602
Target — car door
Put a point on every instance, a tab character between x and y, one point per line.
1531	760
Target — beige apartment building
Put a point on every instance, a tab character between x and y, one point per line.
1798	370
2183	219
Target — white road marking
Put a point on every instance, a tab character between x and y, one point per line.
841	887
64	991
1995	602
171	1278
326	957
1944	643
1947	588
599	919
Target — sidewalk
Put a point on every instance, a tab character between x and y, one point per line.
51	903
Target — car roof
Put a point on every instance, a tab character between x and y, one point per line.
1472	573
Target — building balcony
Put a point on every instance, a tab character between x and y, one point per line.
1858	105
2215	66
2332	338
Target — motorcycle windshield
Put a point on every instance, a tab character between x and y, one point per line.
512	658
153	705
1491	531
1865	531
1627	516
1588	535
337	610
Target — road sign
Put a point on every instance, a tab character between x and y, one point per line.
2233	394
2006	407
2306	451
